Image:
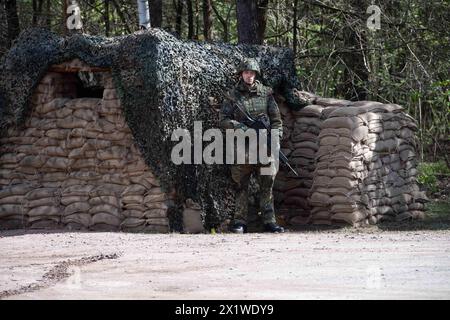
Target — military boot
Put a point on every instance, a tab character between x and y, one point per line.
273	227
238	227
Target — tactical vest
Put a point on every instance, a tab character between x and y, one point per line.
254	102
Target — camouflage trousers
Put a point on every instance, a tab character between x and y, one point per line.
241	175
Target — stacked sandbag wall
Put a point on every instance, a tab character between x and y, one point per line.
75	164
300	143
366	166
356	163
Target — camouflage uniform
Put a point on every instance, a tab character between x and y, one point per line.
257	99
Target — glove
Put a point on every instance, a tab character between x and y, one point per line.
242	126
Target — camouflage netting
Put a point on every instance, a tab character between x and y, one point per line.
163	84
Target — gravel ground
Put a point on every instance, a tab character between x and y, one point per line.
342	264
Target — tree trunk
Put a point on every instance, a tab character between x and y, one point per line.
190	19
121	16
262	19
144	14
48	19
12	20
179	17
294	25
34	18
38	17
251	21
64	17
197	19
356	74
106	17
224	23
156	13
207	19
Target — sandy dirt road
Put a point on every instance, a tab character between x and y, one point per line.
296	265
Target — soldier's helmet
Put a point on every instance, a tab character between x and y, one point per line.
249	64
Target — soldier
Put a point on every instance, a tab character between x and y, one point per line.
257	99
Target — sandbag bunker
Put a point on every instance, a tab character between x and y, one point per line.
86	139
75	163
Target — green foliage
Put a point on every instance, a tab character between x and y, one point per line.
438	210
429	172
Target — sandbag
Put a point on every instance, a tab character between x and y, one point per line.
7	210
55	151
158	213
77	190
133	199
53	105
105	208
79	218
133	213
10	158
14	190
109	200
115	178
155	197
77	142
52	201
342	122
77	207
54	176
156	205
156	228
46	211
310	111
83	103
57	163
83	163
15	199
108	189
77	153
321	215
134	189
112	164
349	217
85	114
332	102
47	223
106	218
133	206
319	199
157	221
343	182
71	122
139	166
67	200
33	161
132	222
40	193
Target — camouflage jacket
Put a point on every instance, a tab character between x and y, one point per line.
256	99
